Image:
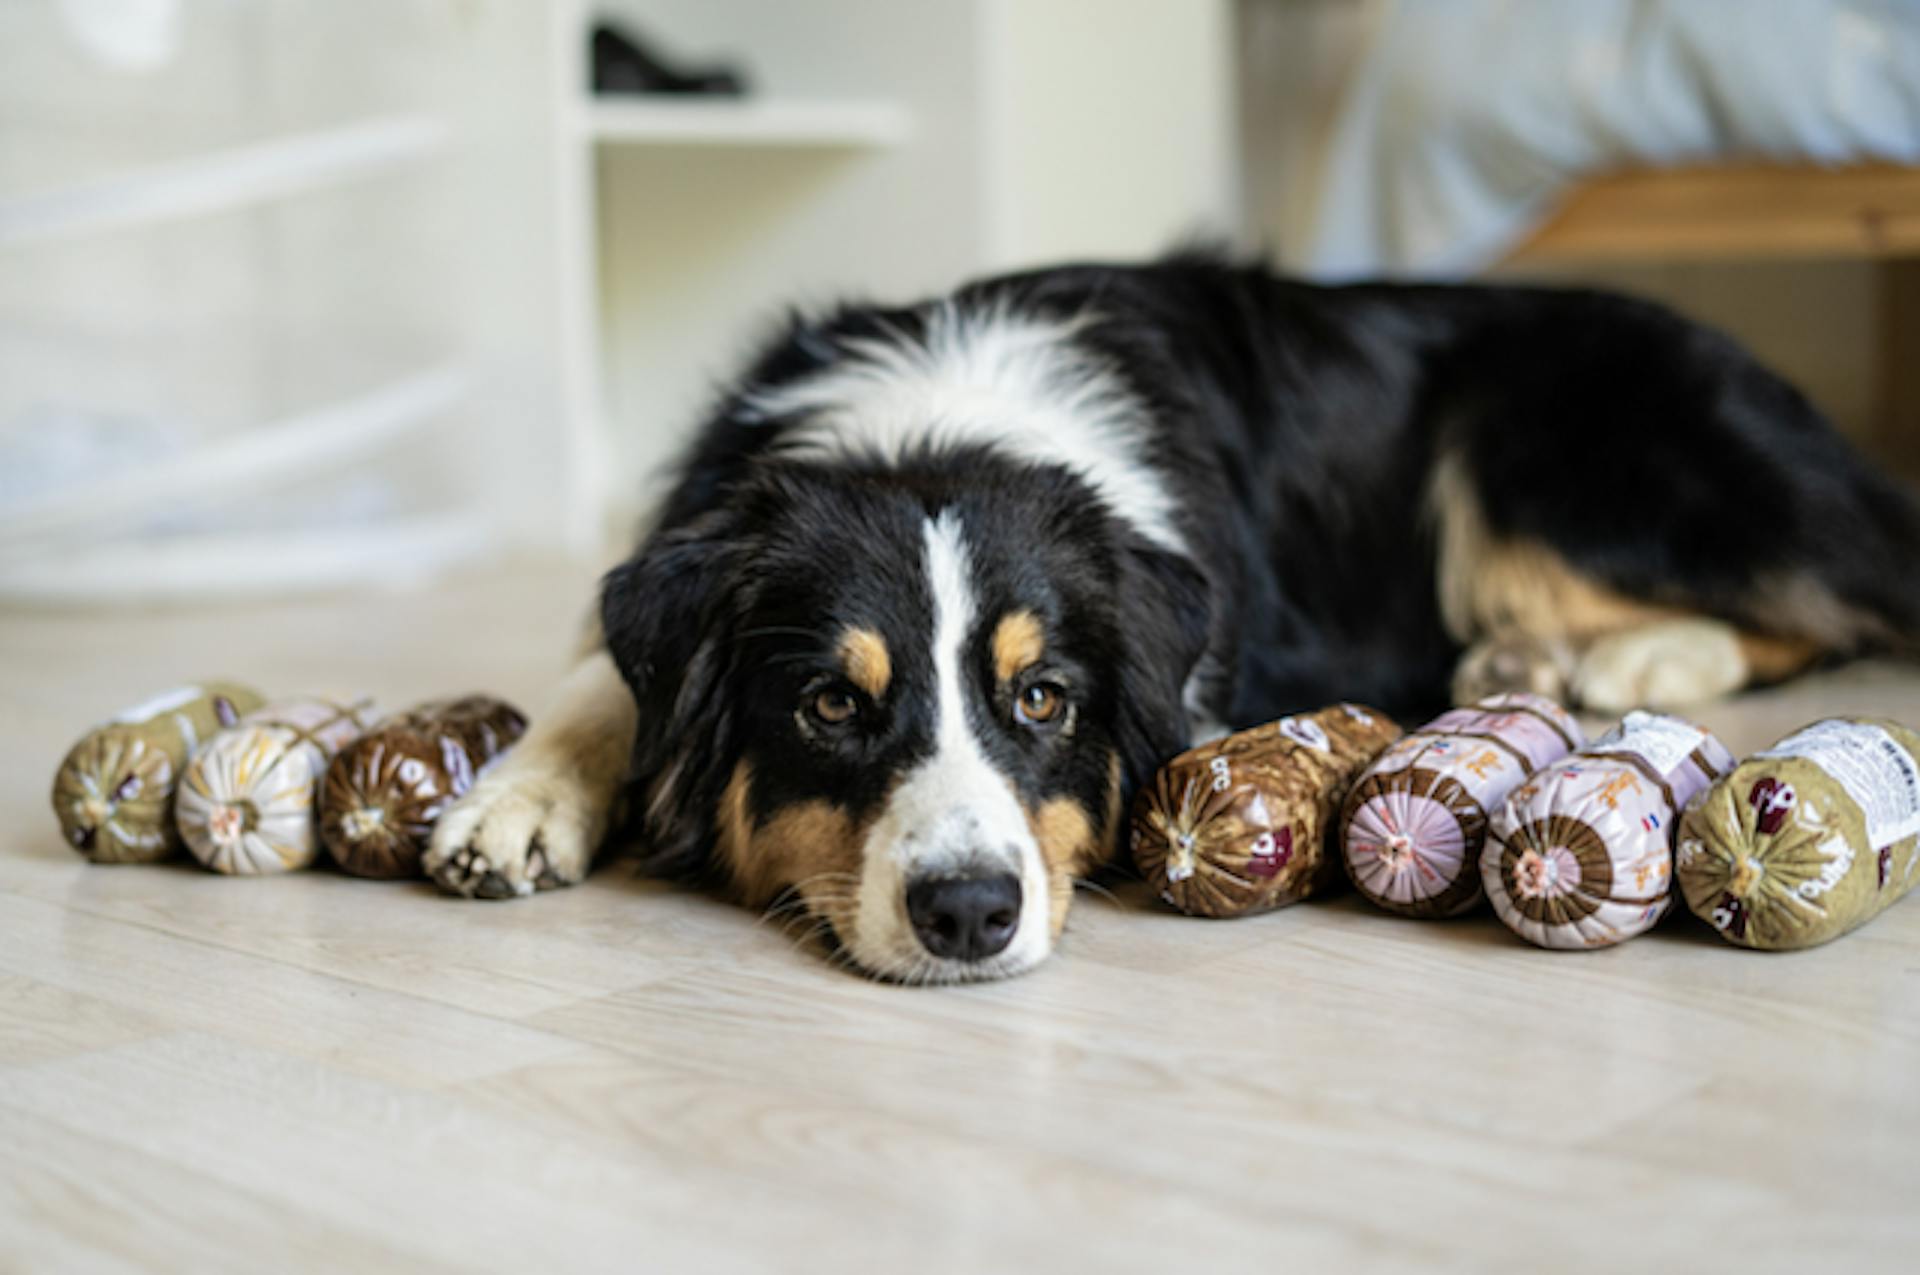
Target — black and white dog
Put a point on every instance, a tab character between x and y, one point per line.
940	586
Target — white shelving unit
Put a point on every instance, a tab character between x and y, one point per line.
593	136
596	128
403	550
195	264
220	182
300	446
796	123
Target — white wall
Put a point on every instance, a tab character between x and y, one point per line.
1110	127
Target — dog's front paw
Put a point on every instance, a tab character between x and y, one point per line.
520	829
1512	663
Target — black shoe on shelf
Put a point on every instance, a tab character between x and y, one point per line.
621	64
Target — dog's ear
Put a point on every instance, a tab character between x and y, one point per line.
1164	617
667	616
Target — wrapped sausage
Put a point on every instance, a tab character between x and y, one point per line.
246	802
114	791
1238	826
383	791
1581	855
1414	825
1808	840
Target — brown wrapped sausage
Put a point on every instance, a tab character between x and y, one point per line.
383	792
1237	826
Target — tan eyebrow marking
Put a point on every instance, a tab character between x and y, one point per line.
1018	643
869	666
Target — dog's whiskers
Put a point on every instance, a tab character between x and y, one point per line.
819	931
787	927
795	901
1095	888
804	882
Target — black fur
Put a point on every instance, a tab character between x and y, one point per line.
723	628
1299	428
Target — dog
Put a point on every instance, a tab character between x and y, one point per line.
940	586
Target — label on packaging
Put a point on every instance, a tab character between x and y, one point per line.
1882	778
1662	742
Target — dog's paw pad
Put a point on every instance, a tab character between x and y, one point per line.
494	886
542	872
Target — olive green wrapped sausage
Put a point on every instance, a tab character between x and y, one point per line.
1812	838
114	791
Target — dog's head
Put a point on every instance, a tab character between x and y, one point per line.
918	697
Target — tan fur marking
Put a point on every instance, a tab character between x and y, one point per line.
1802	606
1774	659
869	665
1110	831
1070	845
1069	849
1018	644
734	826
1509	589
1529	589
538	817
813	847
1516	587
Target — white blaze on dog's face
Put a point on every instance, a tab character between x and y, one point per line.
952	881
914	697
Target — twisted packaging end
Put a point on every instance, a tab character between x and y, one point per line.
229	822
114	790
82	825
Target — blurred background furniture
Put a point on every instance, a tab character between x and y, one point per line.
1854	232
240	350
298	295
1756	166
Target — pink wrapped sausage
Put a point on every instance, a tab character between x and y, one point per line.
1415	823
1581	855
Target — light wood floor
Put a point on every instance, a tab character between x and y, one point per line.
200	1073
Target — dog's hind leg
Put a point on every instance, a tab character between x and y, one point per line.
535	820
1532	621
1629	502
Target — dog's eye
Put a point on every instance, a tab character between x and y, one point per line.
1039	703
835	707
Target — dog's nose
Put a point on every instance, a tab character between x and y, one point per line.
965	918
